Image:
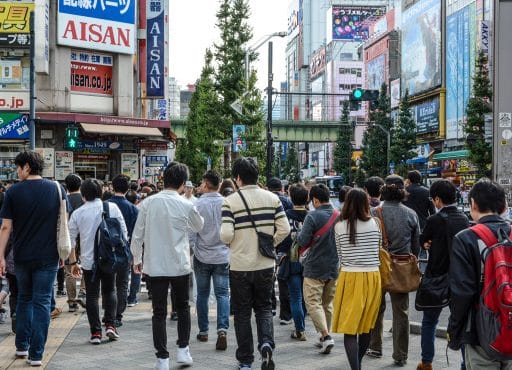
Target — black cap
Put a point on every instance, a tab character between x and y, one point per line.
274	184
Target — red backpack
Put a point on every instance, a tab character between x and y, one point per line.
494	312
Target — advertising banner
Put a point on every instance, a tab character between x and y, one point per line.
91	72
238	140
394	88
375	73
10	71
48	155
421	46
130	165
351	23
107	25
294	18
14	24
14	126
317	63
460	66
63	164
14	100
155	77
42	36
427	116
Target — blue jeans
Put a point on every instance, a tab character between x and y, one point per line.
134	287
204	272
428	333
295	282
35	285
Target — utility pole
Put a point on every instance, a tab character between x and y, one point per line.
270	139
32	100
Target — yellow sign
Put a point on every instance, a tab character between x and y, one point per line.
14	17
504	142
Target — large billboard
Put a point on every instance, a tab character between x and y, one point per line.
376	72
155	73
14	24
91	72
352	23
427	116
97	24
421	46
460	65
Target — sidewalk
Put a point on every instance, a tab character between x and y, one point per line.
68	347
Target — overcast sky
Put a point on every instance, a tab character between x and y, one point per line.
192	29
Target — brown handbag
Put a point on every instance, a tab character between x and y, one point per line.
405	274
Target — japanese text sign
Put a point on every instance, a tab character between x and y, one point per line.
156	46
14	24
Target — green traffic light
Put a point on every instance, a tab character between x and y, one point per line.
72	143
357	93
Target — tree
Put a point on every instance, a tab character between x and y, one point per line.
374	159
403	135
291	164
480	150
277	166
235	33
203	138
343	150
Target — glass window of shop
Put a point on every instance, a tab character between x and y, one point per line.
7	155
14	70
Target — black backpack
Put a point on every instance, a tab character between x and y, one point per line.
111	249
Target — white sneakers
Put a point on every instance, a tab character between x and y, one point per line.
162	364
327	345
183	357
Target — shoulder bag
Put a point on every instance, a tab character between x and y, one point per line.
385	259
405	274
434	291
302	252
265	241
63	239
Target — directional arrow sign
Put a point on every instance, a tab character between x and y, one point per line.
237	106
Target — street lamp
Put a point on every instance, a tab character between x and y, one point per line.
256	47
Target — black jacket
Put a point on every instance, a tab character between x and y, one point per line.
465	275
418	199
441	232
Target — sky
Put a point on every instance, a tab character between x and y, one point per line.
192	29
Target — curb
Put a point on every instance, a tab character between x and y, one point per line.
415	328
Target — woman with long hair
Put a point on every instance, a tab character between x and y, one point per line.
358	292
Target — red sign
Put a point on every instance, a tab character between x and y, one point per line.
91	78
104	120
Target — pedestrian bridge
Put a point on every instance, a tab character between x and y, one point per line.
287	131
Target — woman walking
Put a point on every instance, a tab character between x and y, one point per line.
358	292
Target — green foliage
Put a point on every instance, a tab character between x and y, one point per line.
291	165
403	135
277	166
343	151
480	151
374	159
360	177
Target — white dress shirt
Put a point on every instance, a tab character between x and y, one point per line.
84	221
162	227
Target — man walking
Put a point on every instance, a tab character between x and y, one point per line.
211	261
418	198
252	273
320	265
30	210
162	226
121	184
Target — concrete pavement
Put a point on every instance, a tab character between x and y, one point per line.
68	347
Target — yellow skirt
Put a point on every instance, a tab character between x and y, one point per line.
357	302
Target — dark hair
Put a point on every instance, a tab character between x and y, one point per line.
274	184
131	196
489	196
33	159
91	189
107	195
175	175
212	179
227	187
445	190
343	192
134	186
393	189
73	182
373	185
355	207
299	194
247	169
121	184
414	176
320	192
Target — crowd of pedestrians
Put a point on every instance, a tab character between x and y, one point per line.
234	240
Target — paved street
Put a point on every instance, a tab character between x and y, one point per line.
68	347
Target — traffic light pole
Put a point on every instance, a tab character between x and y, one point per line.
270	139
32	99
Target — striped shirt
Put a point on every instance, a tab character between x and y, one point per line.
364	254
237	230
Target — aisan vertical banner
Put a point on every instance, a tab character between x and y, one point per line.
155	73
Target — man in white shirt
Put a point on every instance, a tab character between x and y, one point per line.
162	226
85	221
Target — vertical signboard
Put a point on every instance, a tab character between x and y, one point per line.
63	164
238	138
42	36
155	72
376	72
130	165
48	155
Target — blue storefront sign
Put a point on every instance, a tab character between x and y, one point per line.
14	126
427	116
155	81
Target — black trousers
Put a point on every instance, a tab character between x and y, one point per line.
122	277
252	290
13	293
285	312
159	290
106	280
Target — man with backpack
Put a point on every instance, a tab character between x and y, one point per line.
480	283
89	222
